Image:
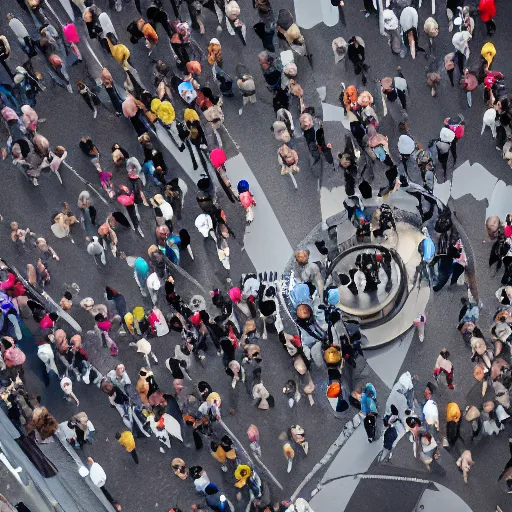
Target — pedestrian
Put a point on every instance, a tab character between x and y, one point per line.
127	441
430	412
22	35
392	29
99	478
390	435
89	97
356	55
13	358
67	386
429	449
409	25
5	52
115	97
444	365
246	86
487	11
464	463
46	355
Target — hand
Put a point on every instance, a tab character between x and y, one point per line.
342	4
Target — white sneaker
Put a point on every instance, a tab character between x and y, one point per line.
35	182
94	114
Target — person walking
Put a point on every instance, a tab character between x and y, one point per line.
128	442
390	435
444	365
5	52
356	55
487	10
99	478
89	97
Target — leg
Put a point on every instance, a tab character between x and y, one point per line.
7	68
135	458
450	76
109	497
453	150
402	98
443	276
457	271
443	160
449	379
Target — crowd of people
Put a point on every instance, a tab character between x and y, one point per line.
180	103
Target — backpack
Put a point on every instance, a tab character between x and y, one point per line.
427	249
444	221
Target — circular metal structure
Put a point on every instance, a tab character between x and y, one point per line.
371	305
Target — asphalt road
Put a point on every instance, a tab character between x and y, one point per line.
298	211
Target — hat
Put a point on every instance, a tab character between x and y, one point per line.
332	355
334	390
235	294
406	145
446	135
339	48
333	296
153	282
143	346
87	303
158	199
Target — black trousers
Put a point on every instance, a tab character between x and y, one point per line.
107	495
135	457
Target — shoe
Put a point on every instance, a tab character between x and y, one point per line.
451	386
366	14
240	112
182	148
35	182
95	114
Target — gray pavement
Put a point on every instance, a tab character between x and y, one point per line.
296	212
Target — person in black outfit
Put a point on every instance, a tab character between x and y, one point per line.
356	55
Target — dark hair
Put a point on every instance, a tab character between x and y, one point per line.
67	295
118	435
53	317
6	343
99	318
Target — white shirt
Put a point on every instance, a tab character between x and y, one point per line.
97	475
19	29
167	211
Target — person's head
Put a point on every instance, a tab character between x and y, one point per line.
14	226
118	435
345	160
354	41
120	370
445	354
10	16
112	38
7	342
429	391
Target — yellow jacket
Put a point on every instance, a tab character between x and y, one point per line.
488	52
120	52
452	412
127	441
164	110
190	115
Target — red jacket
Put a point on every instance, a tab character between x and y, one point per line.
487	10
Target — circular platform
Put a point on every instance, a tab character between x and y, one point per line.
369	303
